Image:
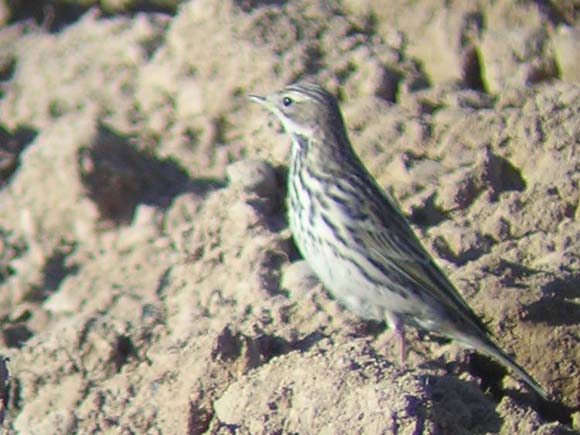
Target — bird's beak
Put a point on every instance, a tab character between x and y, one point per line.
260	100
257	98
263	101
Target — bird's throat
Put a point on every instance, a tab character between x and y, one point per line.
300	143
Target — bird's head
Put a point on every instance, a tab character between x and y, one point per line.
304	109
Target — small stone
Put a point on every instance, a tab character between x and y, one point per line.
254	176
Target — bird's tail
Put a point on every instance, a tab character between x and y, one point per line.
486	345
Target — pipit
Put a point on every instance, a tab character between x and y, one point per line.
356	239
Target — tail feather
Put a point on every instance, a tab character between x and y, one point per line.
489	347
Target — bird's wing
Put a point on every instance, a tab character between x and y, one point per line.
388	238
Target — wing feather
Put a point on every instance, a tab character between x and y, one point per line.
387	238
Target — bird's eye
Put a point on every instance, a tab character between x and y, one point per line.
287	101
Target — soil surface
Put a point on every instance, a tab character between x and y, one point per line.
148	280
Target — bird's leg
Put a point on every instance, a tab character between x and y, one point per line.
400	333
398	330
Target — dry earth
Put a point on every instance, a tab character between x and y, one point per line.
148	280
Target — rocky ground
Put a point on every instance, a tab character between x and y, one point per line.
148	280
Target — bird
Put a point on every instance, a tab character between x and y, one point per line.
357	240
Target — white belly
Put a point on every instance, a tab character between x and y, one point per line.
341	277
